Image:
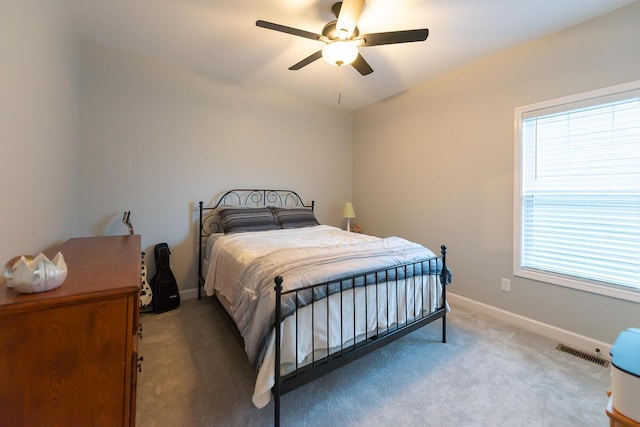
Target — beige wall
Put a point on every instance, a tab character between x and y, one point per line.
435	164
38	143
156	138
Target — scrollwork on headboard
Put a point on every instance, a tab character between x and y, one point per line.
240	198
246	198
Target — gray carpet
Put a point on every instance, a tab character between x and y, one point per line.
195	373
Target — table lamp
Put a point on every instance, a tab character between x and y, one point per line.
348	213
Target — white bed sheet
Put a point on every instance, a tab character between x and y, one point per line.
402	306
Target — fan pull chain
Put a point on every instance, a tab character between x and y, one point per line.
339	83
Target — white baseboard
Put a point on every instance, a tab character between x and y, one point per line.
569	338
563	336
188	294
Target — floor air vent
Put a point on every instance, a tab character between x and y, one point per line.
581	354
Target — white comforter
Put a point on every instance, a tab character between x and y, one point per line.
231	254
242	268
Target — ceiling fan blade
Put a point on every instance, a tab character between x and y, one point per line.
350	11
288	30
306	61
407	36
362	66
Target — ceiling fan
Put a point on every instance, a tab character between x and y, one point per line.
343	39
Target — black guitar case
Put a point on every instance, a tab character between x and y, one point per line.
164	287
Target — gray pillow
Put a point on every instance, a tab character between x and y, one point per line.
250	219
295	217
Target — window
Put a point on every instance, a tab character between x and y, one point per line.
577	191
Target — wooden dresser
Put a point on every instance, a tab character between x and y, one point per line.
68	357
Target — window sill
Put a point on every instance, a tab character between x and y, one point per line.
612	291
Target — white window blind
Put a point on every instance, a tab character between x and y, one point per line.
579	189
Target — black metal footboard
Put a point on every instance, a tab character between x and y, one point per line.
374	308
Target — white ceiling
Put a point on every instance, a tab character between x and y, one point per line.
219	39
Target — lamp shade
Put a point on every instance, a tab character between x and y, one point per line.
348	211
340	53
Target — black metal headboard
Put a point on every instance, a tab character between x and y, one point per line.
244	198
240	198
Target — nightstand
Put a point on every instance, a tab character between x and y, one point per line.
616	419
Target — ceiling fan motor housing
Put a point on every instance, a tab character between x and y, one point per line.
330	31
335	9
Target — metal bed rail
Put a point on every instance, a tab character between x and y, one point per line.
408	287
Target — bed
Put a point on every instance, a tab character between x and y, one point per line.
308	298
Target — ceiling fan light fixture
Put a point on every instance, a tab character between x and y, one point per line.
344	34
340	53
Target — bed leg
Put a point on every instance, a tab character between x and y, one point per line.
443	281
276	387
444	328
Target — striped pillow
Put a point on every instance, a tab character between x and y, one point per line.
295	217
252	219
